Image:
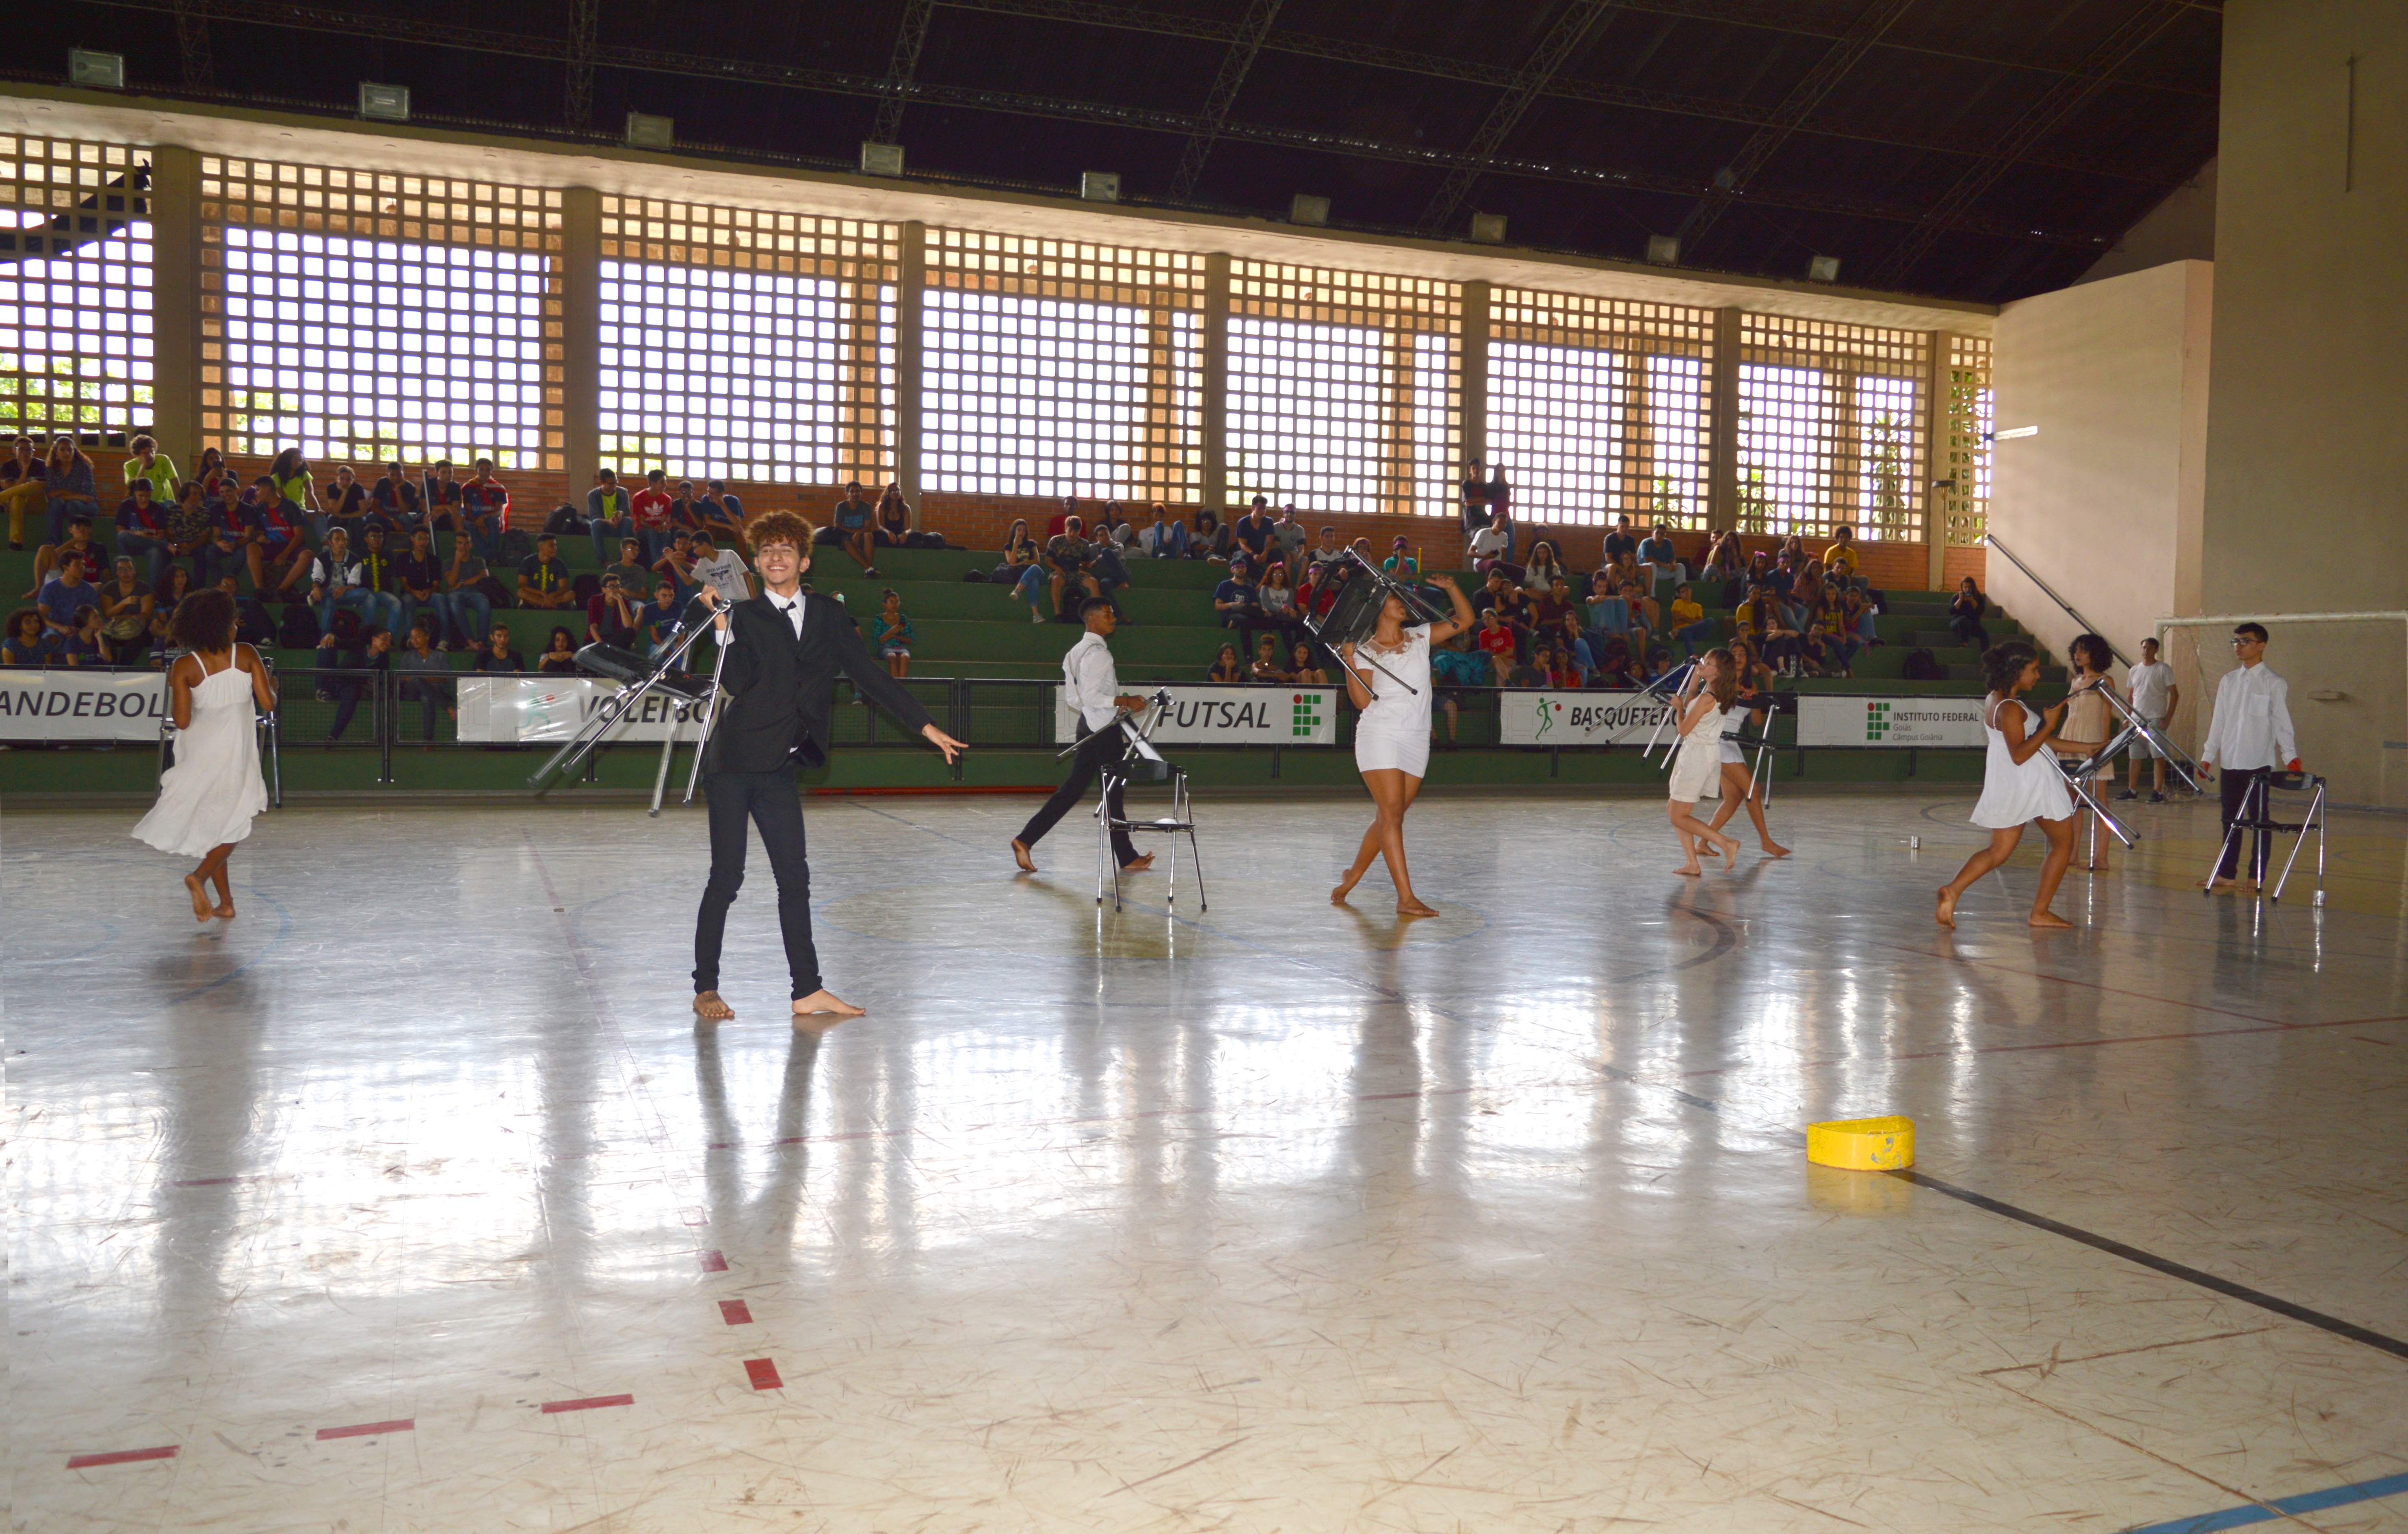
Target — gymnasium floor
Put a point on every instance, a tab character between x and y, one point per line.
412	1198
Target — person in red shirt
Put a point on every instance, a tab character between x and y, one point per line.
485	505
651	511
1498	640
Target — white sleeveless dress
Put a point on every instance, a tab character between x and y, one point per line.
1394	731
1698	763
211	795
2013	793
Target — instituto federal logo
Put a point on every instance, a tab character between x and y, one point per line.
1877	722
1307	715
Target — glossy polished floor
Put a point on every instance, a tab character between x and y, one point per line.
412	1199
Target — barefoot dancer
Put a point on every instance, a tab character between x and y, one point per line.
1739	786
1392	738
783	653
1697	762
1091	685
2020	782
207	798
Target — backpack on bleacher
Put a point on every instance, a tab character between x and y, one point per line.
1923	666
300	628
517	544
589	586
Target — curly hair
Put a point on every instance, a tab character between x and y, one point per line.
780	527
204	621
2095	648
2001	664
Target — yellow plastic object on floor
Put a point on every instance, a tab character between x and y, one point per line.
1862	1145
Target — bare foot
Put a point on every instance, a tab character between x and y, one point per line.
710	1009
2049	919
225	911
1337	896
1947	912
1020	853
1138	864
1409	907
1774	849
1709	850
821	1001
1730	849
2221	885
201	910
1693	870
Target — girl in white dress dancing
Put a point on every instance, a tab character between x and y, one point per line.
1697	761
1740	788
1393	736
2020	783
207	798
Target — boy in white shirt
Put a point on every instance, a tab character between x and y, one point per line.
2250	736
2155	697
721	572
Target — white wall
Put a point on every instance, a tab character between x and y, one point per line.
2180	228
2104	502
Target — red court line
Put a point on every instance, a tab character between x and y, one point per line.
587	1403
763	1374
713	1262
736	1312
369	1429
122	1456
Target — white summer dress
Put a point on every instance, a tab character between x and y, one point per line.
211	795
1394	731
2012	792
1698	763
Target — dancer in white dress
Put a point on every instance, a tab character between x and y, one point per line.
1392	738
1740	787
207	798
1705	699
2020	783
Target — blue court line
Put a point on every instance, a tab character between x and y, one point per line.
2307	1501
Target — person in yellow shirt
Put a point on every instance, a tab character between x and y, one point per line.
1688	624
1841	557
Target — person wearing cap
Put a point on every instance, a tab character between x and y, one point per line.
1404	567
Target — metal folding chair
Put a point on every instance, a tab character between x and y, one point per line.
2257	814
1114	778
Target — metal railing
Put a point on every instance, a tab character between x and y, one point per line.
2050	592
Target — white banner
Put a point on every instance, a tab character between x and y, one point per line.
1579	718
1894	722
511	710
72	704
1229	716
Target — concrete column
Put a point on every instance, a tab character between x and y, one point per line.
911	339
175	303
581	341
1939	461
1474	379
1722	452
1214	406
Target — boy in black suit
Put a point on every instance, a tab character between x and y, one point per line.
785	650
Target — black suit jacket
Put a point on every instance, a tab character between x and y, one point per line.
784	689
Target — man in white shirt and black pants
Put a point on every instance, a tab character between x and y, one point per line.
2155	698
1090	683
2249	737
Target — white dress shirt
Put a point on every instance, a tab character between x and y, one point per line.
2252	723
792	607
1090	680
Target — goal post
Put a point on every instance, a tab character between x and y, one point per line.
2348	678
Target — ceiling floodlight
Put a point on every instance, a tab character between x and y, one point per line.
384	103
99	71
1100	186
881	159
1305	209
647	132
1822	269
1489	228
1663	250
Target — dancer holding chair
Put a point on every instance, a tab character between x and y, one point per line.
1390	683
1091	684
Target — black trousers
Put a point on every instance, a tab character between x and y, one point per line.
2236	783
772	801
1095	750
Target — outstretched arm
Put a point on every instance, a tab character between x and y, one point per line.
1441	632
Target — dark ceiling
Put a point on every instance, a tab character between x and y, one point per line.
1971	149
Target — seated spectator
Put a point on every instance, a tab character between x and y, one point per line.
144	460
251	623
543	577
1497	640
1254	534
1326	551
892	634
1059	520
610	617
1572	651
1841	556
85	646
141	532
1301	669
559	657
381	575
470	590
345	503
1620	540
78	549
1549	609
425	678
1624	570
190	531
125	607
1065	557
334	585
723	516
496	654
722	570
1966	612
1645	617
1617	666
1114	524
27	640
1492	548
1863	622
168	593
1690	627
1763	623
1459	663
1016	541
1544	570
635	575
1267	667
1276	600
610	516
1726	560
22	489
399	500
1658	559
1213	540
418	581
62	600
679	584
1404	567
1165	537
68	488
445	498
1105	564
485	506
1227	668
269	531
850	527
1289	540
893	525
346	687
685	508
1233	600
1024	571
